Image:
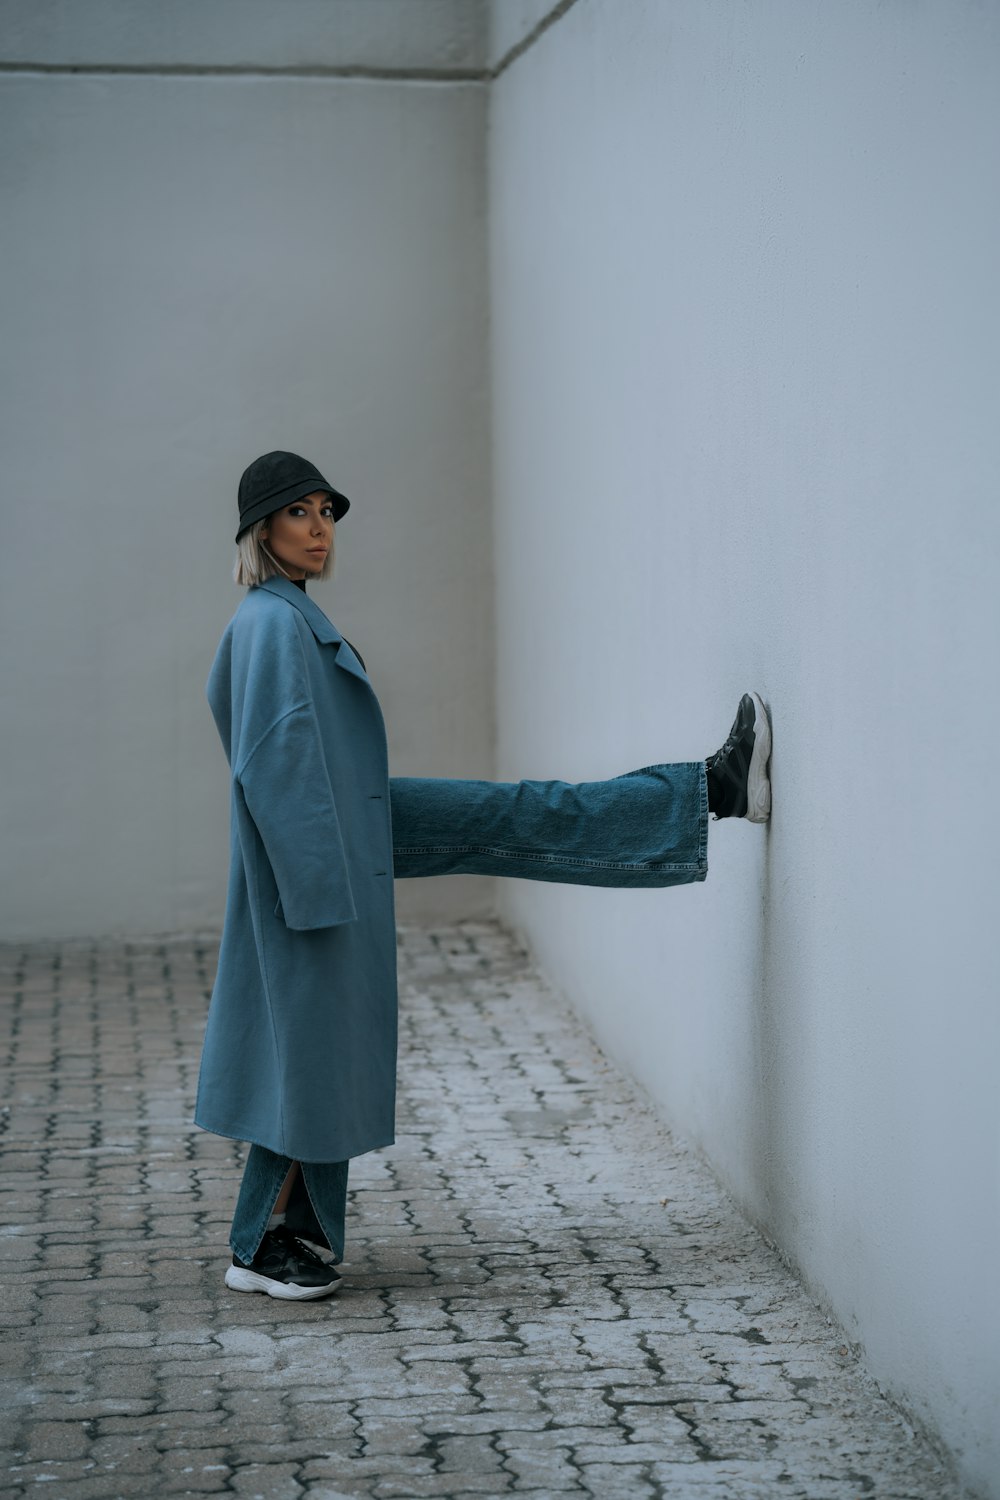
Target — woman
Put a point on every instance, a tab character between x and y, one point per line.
299	1057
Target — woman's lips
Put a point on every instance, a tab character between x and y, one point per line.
321	551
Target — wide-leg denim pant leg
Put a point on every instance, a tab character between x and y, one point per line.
644	828
317	1203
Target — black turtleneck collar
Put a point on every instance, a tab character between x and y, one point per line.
301	583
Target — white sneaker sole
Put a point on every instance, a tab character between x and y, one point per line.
758	783
239	1280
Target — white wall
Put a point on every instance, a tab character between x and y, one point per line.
745	332
408	37
197	267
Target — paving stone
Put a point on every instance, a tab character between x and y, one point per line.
550	1466
544	1293
623	1481
447	1486
266	1482
56	1440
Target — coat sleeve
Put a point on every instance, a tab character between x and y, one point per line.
287	791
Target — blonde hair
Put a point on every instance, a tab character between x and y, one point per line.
255	561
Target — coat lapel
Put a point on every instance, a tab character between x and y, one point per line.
323	629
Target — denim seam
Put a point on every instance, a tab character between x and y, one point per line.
557	859
239	1250
260	1240
319	1216
312	1204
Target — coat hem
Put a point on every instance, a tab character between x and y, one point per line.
253	1140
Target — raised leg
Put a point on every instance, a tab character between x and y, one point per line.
644	828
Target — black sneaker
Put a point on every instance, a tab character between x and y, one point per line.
739	769
284	1266
321	1248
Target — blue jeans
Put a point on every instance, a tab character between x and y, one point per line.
316	1208
643	829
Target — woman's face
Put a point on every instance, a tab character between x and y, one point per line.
301	534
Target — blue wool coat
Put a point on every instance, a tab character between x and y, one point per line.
300	1044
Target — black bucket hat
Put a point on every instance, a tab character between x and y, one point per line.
277	479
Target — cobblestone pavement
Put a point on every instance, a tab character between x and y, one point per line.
544	1295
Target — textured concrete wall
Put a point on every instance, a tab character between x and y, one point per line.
745	323
199	267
